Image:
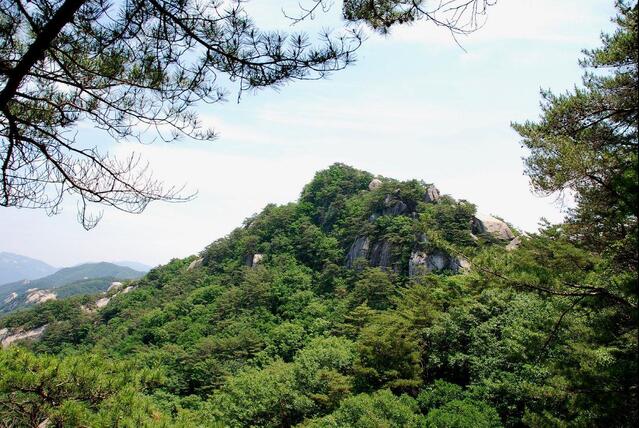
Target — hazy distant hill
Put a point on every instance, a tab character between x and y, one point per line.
19	300
14	267
83	279
85	271
141	267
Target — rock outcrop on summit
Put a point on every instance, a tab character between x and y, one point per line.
375	184
425	258
486	224
195	264
394	206
514	244
432	194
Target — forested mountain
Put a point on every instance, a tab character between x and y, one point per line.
14	267
83	279
369	302
373	302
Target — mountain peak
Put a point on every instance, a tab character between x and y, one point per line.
14	267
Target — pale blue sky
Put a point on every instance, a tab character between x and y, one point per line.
415	105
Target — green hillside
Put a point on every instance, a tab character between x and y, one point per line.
369	302
86	286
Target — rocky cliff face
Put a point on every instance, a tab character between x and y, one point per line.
10	298
381	255
393	205
378	254
359	250
435	261
424	258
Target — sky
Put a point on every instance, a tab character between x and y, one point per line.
414	105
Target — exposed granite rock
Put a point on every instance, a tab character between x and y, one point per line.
359	249
381	254
253	260
11	297
421	262
257	258
377	253
103	301
432	194
40	296
7	337
514	244
492	226
100	303
417	263
195	264
394	206
459	264
116	285
437	260
375	184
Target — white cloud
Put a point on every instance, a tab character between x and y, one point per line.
405	111
516	20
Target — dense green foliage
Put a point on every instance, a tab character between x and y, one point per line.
586	142
298	338
272	328
87	286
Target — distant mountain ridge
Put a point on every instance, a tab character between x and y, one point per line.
82	272
87	278
14	267
140	267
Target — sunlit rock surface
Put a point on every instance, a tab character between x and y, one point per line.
7	337
486	224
